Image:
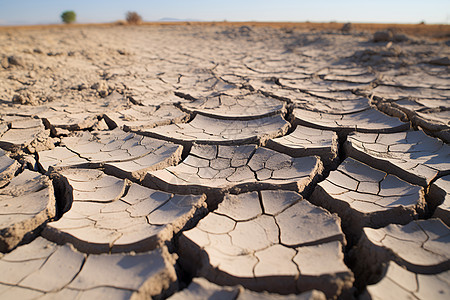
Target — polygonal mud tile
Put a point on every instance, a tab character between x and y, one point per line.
59	119
189	96
342	96
26	203
399	283
25	133
121	154
431	115
318	85
8	168
440	195
202	82
149	97
343	70
413	80
207	130
268	86
217	169
112	102
431	118
420	246
249	106
412	105
269	241
431	122
365	197
397	93
94	185
425	103
331	102
364	78
23	111
268	66
306	141
201	288
369	120
75	115
44	269
413	156
138	118
102	219
148	91
60	157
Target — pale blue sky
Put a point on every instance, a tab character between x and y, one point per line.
14	12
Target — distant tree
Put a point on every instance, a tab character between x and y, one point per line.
133	17
68	16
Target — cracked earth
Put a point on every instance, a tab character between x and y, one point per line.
194	162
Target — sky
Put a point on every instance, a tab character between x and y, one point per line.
24	12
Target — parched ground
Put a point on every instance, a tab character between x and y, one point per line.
242	161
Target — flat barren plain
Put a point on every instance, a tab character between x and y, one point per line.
225	161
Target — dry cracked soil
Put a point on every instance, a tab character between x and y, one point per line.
223	162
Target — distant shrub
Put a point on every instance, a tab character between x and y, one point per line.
120	22
133	17
68	16
347	28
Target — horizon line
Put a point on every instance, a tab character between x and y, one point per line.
174	20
